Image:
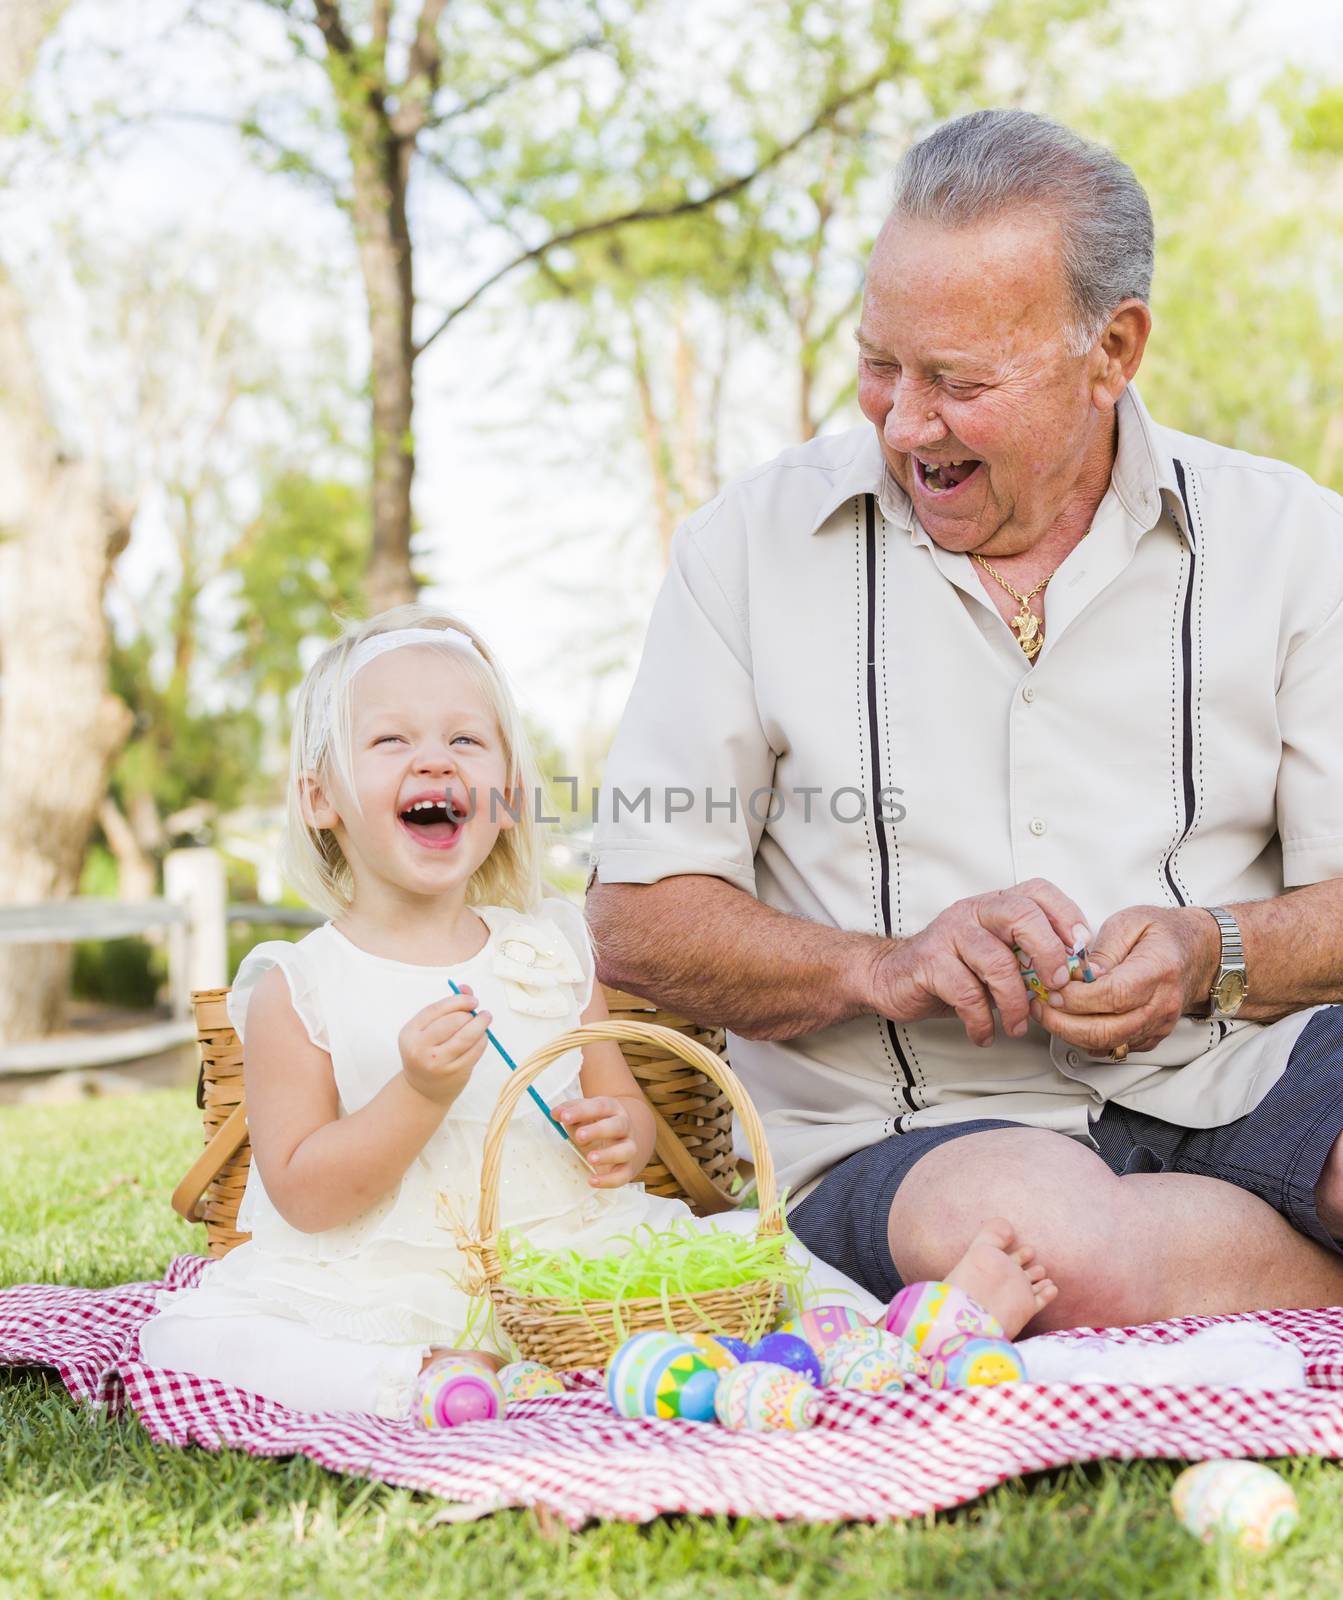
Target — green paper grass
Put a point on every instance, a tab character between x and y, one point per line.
674	1265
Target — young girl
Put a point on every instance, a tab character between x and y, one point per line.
370	1083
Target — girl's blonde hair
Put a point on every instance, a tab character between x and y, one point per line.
320	748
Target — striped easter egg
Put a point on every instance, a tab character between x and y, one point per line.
870	1359
1241	1501
759	1397
660	1375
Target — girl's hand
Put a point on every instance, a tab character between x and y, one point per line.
602	1130
441	1044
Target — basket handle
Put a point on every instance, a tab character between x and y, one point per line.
677	1044
207	1166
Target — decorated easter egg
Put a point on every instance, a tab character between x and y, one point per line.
975	1363
734	1347
526	1380
930	1315
761	1397
870	1359
1238	1500
659	1374
789	1350
714	1350
454	1390
820	1326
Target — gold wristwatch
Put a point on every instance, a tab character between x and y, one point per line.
1231	986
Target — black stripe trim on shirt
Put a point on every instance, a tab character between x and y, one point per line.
874	744
1187	690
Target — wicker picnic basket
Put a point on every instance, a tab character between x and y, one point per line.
692	1159
562	1334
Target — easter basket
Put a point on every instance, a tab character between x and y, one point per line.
692	1161
564	1333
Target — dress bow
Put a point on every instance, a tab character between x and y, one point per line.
536	966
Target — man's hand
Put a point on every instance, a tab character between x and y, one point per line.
441	1044
963	961
1153	965
602	1130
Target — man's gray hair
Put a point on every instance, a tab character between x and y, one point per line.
991	162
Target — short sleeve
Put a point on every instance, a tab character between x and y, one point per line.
293	961
1310	773
568	918
690	747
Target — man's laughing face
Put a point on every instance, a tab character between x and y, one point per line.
985	419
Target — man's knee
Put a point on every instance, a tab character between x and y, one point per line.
1061	1199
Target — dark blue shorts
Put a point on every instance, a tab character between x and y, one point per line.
1277	1152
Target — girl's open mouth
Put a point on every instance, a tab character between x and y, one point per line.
432	824
940	480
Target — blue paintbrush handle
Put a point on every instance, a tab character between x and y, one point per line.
513	1067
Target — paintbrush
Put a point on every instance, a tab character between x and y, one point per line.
545	1109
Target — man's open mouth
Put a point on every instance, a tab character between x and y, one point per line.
944	477
434	824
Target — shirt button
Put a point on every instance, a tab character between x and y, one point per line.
1028	693
1037	826
1073	1059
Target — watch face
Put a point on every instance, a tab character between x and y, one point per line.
1229	993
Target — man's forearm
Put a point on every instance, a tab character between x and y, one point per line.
714	954
1293	950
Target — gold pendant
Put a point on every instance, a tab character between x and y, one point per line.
1028	632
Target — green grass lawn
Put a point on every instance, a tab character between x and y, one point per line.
91	1507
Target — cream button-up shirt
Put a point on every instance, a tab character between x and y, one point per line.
831	715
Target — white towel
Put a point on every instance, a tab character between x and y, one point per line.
1235	1355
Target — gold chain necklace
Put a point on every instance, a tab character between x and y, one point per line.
1030	630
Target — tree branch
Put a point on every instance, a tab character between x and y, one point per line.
680	208
246	130
332	27
495	220
382	26
531	70
416	94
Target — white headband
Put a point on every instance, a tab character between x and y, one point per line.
379	643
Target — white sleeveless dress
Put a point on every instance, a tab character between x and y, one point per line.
342	1319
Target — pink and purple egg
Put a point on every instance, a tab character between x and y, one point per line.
928	1315
454	1390
820	1326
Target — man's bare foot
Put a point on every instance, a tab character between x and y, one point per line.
1003	1276
482	1358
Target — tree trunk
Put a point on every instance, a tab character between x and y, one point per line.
137	872
60	727
656	449
380	162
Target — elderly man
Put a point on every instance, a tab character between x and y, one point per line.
1014	668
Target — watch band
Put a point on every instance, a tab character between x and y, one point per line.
1232	959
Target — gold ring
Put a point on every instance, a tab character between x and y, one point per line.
1119	1053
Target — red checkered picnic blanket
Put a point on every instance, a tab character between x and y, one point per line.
870	1457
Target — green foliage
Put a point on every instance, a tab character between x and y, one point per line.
299	568
180	751
1246	347
210	726
1319	126
119	972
